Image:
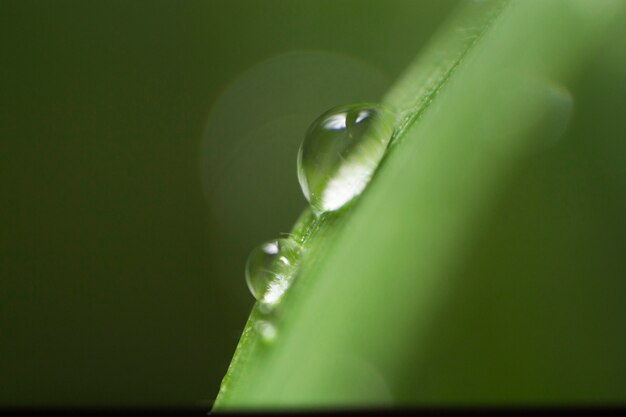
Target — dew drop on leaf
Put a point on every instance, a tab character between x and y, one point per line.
269	269
340	152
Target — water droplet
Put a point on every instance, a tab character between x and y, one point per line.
269	269
266	330
340	153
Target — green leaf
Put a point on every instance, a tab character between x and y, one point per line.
352	328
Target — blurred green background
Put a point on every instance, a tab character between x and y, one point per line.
147	146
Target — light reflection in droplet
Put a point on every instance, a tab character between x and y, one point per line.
336	122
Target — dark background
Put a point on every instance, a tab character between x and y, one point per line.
145	148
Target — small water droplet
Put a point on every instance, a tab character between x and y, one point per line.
340	153
269	269
266	330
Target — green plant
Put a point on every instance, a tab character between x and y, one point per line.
351	329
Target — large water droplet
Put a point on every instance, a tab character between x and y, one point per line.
269	269
340	153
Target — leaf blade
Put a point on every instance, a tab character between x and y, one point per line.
336	320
